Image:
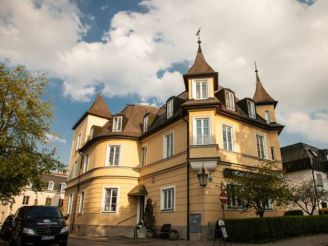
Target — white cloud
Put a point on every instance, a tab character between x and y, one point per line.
286	38
54	138
104	7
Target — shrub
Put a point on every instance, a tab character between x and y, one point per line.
293	213
257	230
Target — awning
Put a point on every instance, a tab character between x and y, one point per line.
139	190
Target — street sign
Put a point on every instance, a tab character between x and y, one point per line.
223	197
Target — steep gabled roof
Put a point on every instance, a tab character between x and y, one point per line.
261	96
200	65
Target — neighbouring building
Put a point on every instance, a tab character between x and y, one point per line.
303	162
119	160
52	194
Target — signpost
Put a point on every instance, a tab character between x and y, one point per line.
223	199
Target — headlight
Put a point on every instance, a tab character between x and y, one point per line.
29	231
64	229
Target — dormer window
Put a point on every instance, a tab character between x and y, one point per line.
146	123
267	117
169	108
51	185
251	109
200	89
117	123
230	100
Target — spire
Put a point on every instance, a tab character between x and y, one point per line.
100	108
261	96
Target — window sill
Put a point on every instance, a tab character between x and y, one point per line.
108	212
167	210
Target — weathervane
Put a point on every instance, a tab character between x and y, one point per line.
198	34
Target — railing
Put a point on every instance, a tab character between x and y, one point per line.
202	140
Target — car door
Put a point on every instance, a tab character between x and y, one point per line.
18	223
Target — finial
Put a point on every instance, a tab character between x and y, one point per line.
198	34
255	67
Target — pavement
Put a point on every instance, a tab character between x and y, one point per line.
316	240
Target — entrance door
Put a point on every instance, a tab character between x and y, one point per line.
140	209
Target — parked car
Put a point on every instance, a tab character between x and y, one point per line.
6	227
39	224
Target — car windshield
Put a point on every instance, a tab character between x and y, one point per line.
43	212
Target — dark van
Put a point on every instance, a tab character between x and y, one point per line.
39	224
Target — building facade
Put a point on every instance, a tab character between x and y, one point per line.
52	194
119	160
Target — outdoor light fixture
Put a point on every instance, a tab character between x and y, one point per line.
202	178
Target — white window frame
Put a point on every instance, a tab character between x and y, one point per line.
232	137
145	123
273	154
81	202
117	123
109	147
267	117
194	86
70	203
51	185
85	165
319	181
230	100
251	109
195	142
104	197
163	208
165	152
265	149
75	169
78	141
62	187
144	155
169	108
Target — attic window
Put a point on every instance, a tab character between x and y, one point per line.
169	108
200	89
251	109
146	123
117	124
230	100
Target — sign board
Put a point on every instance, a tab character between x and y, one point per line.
195	225
220	230
223	197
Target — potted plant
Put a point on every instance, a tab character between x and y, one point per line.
149	218
173	234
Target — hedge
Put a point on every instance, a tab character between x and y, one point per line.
260	230
293	213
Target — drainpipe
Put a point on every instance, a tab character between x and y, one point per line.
188	181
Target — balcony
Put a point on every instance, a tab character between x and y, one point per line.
202	140
203	147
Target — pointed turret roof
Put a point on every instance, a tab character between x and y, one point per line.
98	108
200	65
261	96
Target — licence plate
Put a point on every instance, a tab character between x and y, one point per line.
48	238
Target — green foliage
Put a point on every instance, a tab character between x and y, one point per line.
24	129
293	213
256	187
260	230
149	218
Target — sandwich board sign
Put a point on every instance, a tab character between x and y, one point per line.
220	232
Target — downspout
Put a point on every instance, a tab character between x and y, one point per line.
188	181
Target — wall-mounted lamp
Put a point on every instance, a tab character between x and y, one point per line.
202	178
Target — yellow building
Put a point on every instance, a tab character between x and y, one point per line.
118	161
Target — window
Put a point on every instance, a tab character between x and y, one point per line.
200	90
202	130
48	201
261	146
230	100
146	123
143	155
26	200
169	108
272	153
267	117
167	198
51	185
319	179
85	163
70	204
327	157
75	169
168	145
117	124
78	142
110	198
233	201
227	137
251	109
60	202
113	155
81	202
62	187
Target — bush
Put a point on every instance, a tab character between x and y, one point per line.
260	230
323	211
293	213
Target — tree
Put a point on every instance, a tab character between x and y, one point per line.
24	130
303	194
257	188
149	218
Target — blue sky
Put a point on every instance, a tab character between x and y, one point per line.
133	52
